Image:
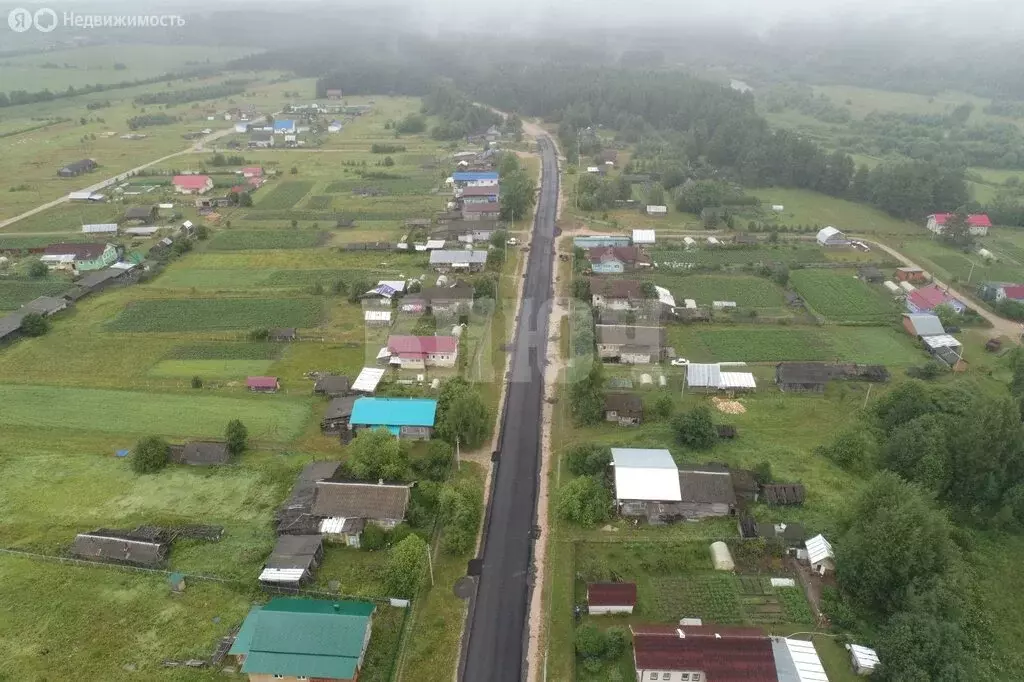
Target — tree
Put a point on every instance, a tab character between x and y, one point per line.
656	196
34	324
294	170
895	542
197	381
244	200
388	161
590	642
648	290
584	501
518	195
581	289
853	450
436	465
38	270
376	454
957	232
696	429
616	642
150	455
405	567
588	459
918	452
356	289
907	401
586	397
237	437
947	315
780	274
459	510
462	415
373	538
203	232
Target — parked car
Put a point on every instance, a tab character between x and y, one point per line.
680	362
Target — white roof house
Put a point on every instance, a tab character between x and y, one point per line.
891	286
719	305
643	236
864	660
830	236
645	474
101	228
819	553
711	376
657	210
796	660
435	244
141	231
940	341
690	303
377	316
368	379
445	257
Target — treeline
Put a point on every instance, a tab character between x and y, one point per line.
18	97
801	98
192	94
900	564
147	120
458	115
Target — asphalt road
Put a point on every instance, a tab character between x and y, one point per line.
494	647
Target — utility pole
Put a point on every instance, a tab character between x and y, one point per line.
430	563
867	396
971	273
458	456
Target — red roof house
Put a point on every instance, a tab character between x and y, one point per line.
611	598
192	184
474	191
252	172
977	223
926	299
1014	292
264	384
721	654
423	351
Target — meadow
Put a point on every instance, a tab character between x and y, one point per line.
746	290
271	418
244	240
14	293
839	295
213	314
804	207
796	253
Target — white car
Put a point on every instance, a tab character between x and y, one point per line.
513	242
680	362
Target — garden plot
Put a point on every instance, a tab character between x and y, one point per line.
283	238
213	314
839	295
284	196
746	290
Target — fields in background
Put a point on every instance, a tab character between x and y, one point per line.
804	207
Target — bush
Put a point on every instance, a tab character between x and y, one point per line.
437	463
662	407
197	381
588	459
34	324
150	455
259	335
590	642
696	429
373	538
583	501
38	270
616	642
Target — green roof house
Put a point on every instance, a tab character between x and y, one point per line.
304	639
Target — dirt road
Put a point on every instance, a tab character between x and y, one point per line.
1000	326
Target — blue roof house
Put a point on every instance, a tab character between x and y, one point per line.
597	240
410	418
473	177
284	126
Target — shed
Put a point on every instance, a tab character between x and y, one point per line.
294	517
293	561
892	287
783	494
643	236
199	453
605	598
331	385
803	377
864	660
144	214
368	380
100	228
337	415
643	476
830	236
120	548
263	384
624	409
819	554
869	273
721	558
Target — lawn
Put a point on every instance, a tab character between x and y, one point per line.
804	207
105	624
841	296
14	293
210	369
211	314
242	240
128	414
767	343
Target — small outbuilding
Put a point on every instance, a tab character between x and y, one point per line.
119	547
293	561
338	414
721	557
284	334
331	385
820	555
864	660
624	409
610	598
783	494
830	236
263	384
198	453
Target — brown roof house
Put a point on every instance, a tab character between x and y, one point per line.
345	507
199	453
610	260
624	409
704	490
634	345
605	598
615	294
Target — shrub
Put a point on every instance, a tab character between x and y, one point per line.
695	429
588	459
150	455
34	324
237	437
259	335
373	538
197	381
583	501
38	270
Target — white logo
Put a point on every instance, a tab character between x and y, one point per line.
20	20
45	19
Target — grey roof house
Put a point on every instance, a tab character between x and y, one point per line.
120	547
331	385
624	409
380	503
295	516
200	453
630	344
338	413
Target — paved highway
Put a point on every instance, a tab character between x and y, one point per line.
494	647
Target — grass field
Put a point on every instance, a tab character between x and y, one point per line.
241	240
15	293
790	254
952	265
211	314
747	291
804	207
769	343
272	418
840	296
211	369
284	196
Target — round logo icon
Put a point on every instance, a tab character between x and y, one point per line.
45	19
20	20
